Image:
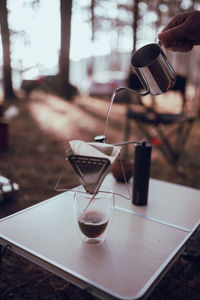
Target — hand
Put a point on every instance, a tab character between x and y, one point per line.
182	32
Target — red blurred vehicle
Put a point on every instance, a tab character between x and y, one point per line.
104	83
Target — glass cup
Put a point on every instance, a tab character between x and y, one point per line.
94	217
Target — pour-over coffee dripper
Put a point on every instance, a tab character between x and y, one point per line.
91	169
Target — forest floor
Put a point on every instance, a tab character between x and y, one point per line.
38	138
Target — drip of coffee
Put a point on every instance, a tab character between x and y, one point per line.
92	224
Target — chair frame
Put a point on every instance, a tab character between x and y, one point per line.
173	151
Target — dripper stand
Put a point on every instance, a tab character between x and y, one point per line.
91	171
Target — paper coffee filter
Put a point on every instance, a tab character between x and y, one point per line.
91	162
95	149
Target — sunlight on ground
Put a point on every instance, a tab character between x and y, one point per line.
66	120
85	117
168	103
57	116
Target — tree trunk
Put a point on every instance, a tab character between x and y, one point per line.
7	74
135	20
90	67
64	84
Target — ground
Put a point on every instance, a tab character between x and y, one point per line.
38	138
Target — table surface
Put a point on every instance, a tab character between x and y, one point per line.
141	245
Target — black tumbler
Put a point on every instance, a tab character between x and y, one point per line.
141	173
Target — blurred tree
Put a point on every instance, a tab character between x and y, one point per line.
107	19
5	36
133	9
66	90
90	67
135	23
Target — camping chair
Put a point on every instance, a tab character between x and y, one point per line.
166	131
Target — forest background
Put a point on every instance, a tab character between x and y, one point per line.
73	41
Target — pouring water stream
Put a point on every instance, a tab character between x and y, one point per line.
112	100
106	127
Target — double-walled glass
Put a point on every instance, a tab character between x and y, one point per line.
94	217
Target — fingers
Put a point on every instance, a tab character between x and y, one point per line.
172	34
180	45
182	32
177	20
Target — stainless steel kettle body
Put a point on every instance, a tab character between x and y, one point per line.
153	69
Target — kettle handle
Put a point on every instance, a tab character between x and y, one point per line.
165	58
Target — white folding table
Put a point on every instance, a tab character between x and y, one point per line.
141	245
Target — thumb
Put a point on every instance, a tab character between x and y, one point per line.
172	34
